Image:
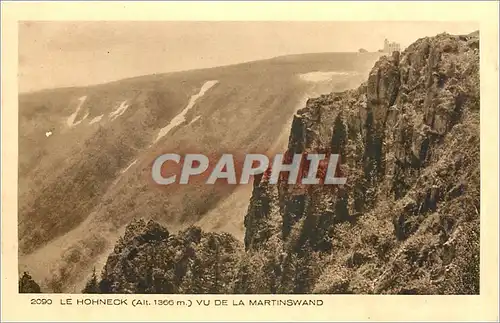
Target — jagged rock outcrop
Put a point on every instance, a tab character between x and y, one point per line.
27	284
406	221
150	260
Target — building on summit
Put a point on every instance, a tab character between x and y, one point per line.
390	47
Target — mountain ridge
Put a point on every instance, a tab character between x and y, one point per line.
81	185
195	70
406	222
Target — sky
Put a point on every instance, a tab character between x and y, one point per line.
61	54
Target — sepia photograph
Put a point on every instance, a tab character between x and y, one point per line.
235	161
138	143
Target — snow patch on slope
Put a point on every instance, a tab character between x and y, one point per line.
181	117
96	119
194	120
128	167
71	119
119	111
322	76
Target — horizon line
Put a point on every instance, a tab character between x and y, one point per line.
184	70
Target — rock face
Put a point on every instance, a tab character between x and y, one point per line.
149	260
28	285
406	221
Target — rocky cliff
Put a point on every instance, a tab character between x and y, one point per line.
147	259
406	221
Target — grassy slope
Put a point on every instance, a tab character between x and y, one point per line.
406	222
73	199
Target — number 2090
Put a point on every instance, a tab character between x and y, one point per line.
41	301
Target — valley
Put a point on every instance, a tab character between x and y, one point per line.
80	186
